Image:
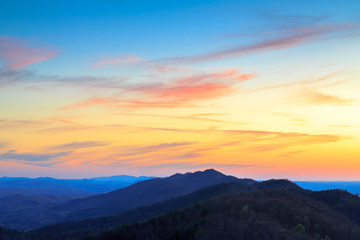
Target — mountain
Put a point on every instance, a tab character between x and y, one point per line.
79	229
74	188
257	215
8	234
137	195
11	202
273	209
239	209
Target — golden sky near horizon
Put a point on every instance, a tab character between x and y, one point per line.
280	101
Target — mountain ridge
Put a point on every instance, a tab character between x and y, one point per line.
140	194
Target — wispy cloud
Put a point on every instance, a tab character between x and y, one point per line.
197	117
290	21
169	68
61	129
286	38
161	146
268	135
314	97
292	117
125	61
291	153
196	166
139	150
3	144
78	145
345	126
302	83
202	85
35	81
258	141
17	53
45	160
187	155
93	102
66	119
15	123
183	92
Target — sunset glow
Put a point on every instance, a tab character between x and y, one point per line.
257	89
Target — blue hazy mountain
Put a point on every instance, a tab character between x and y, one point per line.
73	188
350	186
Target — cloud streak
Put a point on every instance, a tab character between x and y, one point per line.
153	148
44	160
183	92
255	140
78	145
313	97
3	144
17	54
287	38
197	117
126	61
38	82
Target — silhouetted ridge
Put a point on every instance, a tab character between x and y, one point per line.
278	184
140	194
273	209
276	214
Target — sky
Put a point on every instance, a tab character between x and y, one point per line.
256	89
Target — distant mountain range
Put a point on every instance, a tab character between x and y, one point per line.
68	188
200	205
350	186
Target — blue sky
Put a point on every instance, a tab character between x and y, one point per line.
84	30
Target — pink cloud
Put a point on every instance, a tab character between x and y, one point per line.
16	53
92	102
165	68
183	92
106	61
194	88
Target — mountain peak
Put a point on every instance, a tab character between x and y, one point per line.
211	170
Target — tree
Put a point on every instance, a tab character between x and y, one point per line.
300	229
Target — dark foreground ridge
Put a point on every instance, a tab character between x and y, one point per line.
234	209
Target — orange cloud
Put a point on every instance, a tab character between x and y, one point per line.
262	140
198	117
317	98
17	55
